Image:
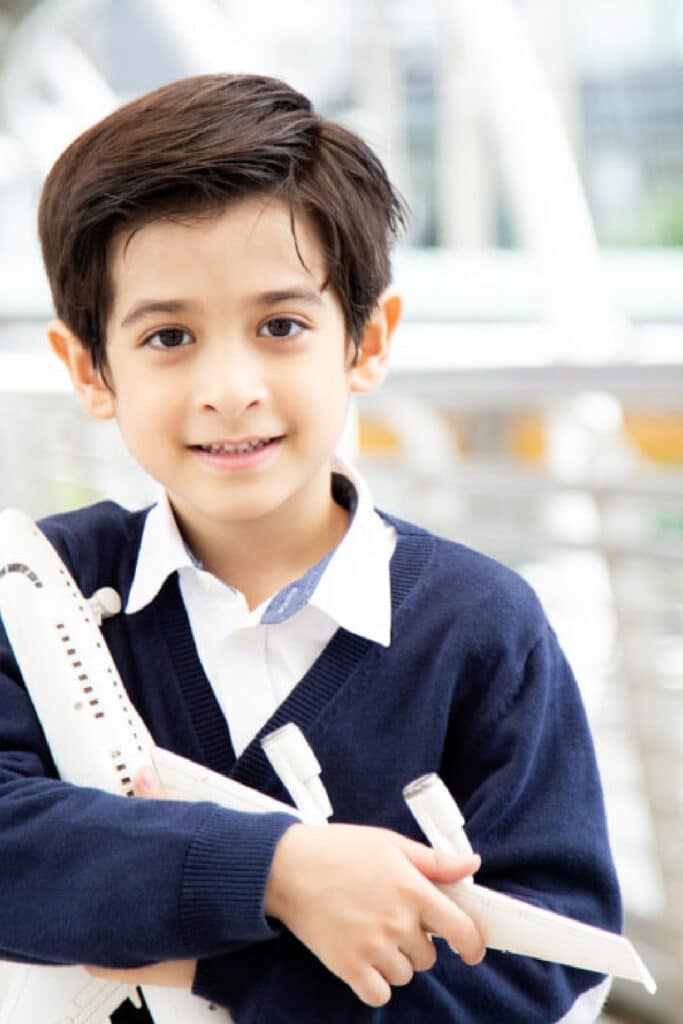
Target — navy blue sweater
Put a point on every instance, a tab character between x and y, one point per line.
474	686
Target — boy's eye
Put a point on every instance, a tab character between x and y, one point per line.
169	337
280	327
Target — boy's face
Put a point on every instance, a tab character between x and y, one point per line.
229	368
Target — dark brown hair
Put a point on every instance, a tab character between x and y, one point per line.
193	147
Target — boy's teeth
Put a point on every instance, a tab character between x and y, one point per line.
234	449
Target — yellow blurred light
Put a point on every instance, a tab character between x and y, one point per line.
376	437
527	438
657	436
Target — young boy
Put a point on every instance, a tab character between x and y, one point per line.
218	258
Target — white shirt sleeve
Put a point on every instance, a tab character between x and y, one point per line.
587	1007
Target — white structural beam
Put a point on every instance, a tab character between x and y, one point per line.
540	175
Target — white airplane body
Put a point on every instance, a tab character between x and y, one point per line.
97	738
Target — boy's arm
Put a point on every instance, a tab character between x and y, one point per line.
523	772
83	859
357	897
88	877
535	785
526	779
369	927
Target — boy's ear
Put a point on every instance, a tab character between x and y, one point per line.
370	367
94	394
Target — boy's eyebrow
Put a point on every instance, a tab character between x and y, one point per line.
300	294
270	298
153	306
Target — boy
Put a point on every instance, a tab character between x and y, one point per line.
218	257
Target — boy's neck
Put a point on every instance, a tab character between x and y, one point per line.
259	557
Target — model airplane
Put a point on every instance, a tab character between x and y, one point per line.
76	691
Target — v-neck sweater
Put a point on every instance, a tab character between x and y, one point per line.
473	686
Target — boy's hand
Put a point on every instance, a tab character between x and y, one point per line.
170	973
362	900
146	783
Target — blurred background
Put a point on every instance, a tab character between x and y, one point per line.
535	405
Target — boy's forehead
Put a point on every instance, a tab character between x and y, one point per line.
254	238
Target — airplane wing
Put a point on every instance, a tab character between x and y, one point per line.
513	926
183	779
510	924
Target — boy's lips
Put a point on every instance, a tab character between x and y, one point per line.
237	453
236	446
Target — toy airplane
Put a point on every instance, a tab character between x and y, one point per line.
76	691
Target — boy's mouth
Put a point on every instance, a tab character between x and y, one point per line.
241	447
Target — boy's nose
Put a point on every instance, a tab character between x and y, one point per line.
230	384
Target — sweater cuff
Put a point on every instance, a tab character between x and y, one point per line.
224	880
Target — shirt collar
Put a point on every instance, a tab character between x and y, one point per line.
162	552
355	588
351	584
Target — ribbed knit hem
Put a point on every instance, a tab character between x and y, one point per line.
225	876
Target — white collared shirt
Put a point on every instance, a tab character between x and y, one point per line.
253	665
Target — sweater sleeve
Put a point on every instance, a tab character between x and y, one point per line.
527	781
90	877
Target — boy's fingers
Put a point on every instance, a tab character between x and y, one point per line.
439	866
371	987
446	919
146	783
396	967
420	950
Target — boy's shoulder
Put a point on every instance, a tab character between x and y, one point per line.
461	579
98	543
